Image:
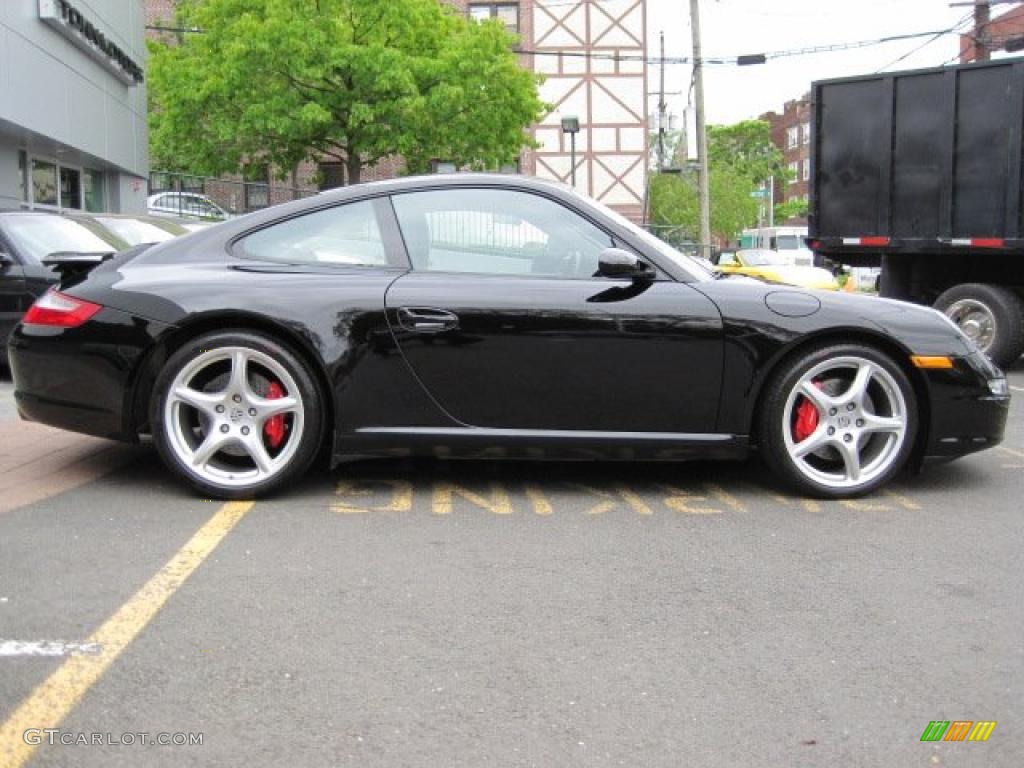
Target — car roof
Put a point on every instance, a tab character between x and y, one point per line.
171	225
23	212
445	181
198	245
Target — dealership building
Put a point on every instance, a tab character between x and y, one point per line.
73	105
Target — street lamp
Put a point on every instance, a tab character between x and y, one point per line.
571	125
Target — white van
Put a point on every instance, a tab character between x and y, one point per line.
788	241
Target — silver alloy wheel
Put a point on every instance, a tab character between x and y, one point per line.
218	435
976	319
861	422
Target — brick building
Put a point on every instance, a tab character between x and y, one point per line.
791	133
592	54
1005	28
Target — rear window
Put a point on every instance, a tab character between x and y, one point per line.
38	236
135	231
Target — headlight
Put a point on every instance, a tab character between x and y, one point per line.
980	362
999	387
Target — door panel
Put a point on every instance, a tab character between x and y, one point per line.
553	353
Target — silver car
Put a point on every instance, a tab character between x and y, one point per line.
185	204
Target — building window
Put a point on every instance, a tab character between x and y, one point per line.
807	170
805	133
792	137
22	175
332	175
44	183
257	186
94	190
47	183
794	171
70	188
506	13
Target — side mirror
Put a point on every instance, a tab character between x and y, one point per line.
615	262
6	261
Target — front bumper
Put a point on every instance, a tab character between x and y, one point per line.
966	415
81	379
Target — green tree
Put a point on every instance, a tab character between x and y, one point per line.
790	209
742	157
674	203
747	148
280	81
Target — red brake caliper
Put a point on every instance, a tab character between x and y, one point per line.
806	418
273	430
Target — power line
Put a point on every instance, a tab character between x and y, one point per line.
727	60
926	43
971	40
854	44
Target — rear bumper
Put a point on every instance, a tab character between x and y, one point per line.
81	379
966	415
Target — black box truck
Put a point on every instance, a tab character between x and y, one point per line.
920	173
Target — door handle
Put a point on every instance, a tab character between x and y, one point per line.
427	319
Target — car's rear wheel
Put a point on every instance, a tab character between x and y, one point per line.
236	414
838	421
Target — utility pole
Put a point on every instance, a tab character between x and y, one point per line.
661	109
981	36
702	139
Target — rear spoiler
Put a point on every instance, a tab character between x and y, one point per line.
70	264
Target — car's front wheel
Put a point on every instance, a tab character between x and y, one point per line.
236	414
838	421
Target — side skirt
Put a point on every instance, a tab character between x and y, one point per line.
536	444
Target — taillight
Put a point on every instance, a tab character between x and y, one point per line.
60	310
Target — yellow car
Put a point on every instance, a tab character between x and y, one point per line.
774	267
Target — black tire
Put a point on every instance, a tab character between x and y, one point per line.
776	411
310	414
1007	312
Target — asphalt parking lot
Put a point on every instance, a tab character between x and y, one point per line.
426	614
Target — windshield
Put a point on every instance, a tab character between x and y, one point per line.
135	231
763	259
692	266
39	236
789	242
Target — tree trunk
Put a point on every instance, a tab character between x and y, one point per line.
354	165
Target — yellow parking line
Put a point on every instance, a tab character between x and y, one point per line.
56	696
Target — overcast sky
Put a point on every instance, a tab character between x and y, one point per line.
732	27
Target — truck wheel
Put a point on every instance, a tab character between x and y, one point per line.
991	315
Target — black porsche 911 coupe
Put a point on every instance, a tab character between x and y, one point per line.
476	315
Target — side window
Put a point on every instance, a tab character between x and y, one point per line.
345	235
497	232
726	259
208	209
